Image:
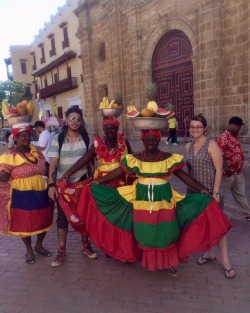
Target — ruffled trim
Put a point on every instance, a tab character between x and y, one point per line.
13	158
162	169
160	259
103	152
205	231
111	239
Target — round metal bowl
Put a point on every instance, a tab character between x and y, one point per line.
110	112
16	119
149	122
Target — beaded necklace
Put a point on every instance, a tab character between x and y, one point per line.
145	158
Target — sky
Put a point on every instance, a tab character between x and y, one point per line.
20	23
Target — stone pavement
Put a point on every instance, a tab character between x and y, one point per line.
105	285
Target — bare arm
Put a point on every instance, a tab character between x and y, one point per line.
4	176
52	178
112	175
128	146
187	147
217	160
188	180
85	159
40	148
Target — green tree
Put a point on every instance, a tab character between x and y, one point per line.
13	92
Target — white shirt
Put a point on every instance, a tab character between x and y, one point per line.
44	141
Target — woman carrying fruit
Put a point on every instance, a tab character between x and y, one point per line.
25	208
165	224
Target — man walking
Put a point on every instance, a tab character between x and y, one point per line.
44	141
233	160
66	149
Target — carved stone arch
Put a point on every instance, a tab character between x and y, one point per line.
158	33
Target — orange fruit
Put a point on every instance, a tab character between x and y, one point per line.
21	109
147	112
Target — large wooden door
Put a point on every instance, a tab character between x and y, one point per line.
172	71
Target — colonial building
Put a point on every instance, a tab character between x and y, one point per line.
56	61
51	64
196	51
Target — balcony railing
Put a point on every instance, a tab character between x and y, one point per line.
59	87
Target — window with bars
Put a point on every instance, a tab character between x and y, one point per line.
52	52
23	67
65	42
34	62
43	55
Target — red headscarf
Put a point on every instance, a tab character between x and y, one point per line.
110	120
149	132
16	129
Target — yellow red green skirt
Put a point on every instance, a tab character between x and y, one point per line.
149	221
25	207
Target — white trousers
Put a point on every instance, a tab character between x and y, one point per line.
236	184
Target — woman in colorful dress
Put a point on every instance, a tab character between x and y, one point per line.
25	208
108	151
204	161
164	223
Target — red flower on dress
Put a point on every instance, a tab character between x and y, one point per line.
113	154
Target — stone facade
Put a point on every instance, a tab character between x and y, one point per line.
218	31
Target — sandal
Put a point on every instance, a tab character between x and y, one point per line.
30	259
43	252
203	260
173	272
227	273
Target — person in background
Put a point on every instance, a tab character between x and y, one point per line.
172	126
25	207
44	141
11	142
61	159
54	131
187	120
233	156
204	162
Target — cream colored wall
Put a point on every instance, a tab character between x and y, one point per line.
64	14
20	53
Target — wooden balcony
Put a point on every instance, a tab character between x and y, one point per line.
59	87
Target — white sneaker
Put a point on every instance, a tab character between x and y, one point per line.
166	142
175	144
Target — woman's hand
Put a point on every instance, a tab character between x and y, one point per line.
216	196
94	182
66	175
53	194
205	191
4	176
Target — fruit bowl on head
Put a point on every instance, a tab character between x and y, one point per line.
142	123
16	119
111	112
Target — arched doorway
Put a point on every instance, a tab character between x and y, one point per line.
172	71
